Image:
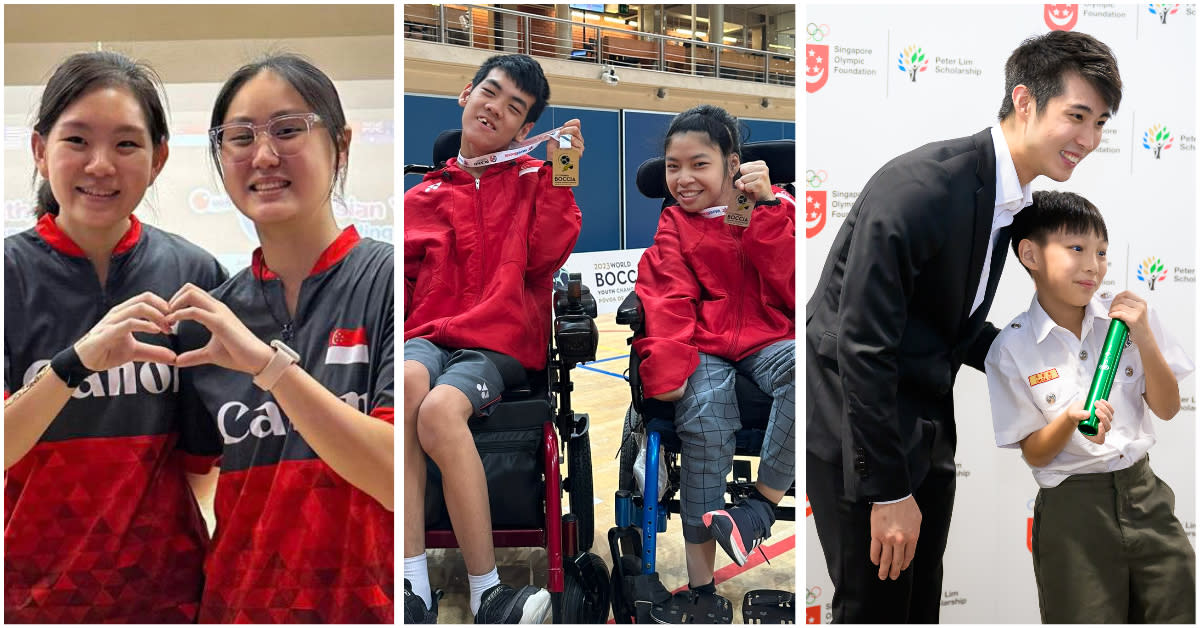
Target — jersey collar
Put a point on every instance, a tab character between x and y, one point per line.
48	229
332	255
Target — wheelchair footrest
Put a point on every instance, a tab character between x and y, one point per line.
768	606
686	608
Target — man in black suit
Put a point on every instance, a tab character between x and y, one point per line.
902	302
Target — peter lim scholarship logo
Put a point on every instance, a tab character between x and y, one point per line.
1151	271
1060	17
1157	139
913	61
1163	10
816	204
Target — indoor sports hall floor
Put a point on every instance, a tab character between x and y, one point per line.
601	392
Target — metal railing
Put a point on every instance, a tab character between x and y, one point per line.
514	31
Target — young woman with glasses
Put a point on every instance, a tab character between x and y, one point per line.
99	523
297	375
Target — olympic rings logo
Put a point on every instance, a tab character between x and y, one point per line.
812	595
816	178
817	32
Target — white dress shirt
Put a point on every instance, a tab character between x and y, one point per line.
1035	369
1011	197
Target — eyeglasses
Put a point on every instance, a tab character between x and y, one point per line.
286	135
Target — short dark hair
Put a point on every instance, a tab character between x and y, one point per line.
78	76
1053	212
525	71
720	126
313	85
1041	63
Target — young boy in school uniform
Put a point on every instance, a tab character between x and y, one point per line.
1107	547
483	235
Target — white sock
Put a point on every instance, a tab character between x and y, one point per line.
479	584
416	571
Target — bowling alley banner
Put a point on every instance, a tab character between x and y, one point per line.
883	80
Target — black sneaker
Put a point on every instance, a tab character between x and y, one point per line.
414	607
502	604
741	528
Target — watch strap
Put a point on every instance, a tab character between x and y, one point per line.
283	357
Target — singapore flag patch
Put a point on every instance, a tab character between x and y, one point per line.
347	346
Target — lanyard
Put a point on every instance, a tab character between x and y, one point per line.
516	150
714	212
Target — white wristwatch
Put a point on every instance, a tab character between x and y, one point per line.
284	357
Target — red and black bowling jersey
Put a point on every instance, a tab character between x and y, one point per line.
99	522
294	541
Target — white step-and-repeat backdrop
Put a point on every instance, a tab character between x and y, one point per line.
868	101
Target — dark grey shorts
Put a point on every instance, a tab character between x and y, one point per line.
467	370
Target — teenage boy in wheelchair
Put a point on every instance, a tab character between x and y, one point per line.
719	298
482	239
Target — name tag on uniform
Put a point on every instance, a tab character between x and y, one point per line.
1043	377
739	214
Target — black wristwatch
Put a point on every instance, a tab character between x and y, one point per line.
69	368
774	202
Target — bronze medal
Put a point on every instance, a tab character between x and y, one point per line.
739	214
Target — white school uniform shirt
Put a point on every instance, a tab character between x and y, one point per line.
1035	369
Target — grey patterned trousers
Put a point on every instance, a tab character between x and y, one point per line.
706	418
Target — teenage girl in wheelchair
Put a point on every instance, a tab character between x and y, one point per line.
719	299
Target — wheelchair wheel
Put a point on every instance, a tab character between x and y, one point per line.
625	478
579	479
586	596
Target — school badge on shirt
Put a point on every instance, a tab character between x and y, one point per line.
347	346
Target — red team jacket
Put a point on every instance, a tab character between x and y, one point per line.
99	522
708	286
479	257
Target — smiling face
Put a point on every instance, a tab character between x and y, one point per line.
1068	268
98	158
1059	136
268	188
493	114
698	176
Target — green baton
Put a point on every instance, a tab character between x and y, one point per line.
1114	344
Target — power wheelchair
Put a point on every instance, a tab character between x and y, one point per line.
633	540
522	444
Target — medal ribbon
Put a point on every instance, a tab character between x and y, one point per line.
516	149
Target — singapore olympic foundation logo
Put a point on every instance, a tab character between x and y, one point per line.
816	62
1157	139
816	204
1163	10
1151	271
812	607
913	61
1060	17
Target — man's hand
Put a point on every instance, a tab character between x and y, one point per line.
570	127
894	531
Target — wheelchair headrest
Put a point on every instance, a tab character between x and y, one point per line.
780	156
446	146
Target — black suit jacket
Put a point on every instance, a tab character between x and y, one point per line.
889	323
